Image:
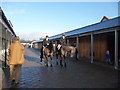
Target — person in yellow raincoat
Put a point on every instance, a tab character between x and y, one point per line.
16	59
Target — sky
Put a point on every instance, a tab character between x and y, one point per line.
33	20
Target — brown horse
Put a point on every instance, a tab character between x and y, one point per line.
63	52
48	52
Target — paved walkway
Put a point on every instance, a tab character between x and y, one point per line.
78	74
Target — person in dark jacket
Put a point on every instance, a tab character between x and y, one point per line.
46	41
63	40
47	44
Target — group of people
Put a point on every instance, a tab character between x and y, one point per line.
16	55
47	42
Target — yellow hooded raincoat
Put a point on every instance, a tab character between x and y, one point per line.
16	51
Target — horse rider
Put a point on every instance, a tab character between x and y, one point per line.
46	43
63	40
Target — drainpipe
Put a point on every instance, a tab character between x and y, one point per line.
5	47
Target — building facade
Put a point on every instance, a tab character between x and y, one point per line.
6	36
94	40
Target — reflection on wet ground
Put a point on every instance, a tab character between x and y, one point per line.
77	74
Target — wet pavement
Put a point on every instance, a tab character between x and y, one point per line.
77	74
0	78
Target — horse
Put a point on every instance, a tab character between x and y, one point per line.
48	52
63	52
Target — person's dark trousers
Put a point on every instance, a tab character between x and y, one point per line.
41	56
76	54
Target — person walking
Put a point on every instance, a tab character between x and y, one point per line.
16	59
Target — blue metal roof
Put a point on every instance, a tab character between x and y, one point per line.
90	28
95	27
